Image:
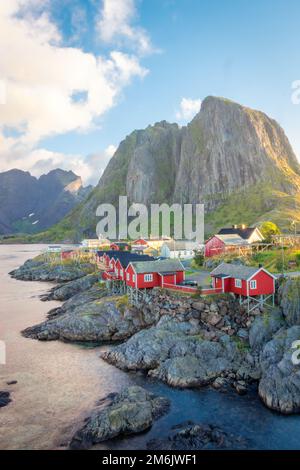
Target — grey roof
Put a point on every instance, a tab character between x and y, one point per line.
245	233
234	270
232	239
157	266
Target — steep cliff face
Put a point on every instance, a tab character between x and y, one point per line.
153	165
228	147
29	204
235	160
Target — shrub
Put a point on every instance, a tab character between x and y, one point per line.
122	303
268	229
198	259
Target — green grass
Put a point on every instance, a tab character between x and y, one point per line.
254	205
122	303
273	260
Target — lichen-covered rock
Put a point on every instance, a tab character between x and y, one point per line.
189	436
289	298
41	270
129	412
96	292
171	352
105	319
264	327
69	289
279	387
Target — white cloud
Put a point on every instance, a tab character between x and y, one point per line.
116	26
188	109
41	161
97	162
41	76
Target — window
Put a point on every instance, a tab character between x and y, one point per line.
238	283
253	284
128	277
148	277
133	278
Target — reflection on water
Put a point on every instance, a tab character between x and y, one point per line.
58	383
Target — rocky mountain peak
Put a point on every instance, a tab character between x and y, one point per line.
235	160
29	204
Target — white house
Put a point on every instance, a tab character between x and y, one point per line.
183	249
248	234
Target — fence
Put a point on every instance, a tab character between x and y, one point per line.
192	290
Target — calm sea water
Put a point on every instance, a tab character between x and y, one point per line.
58	383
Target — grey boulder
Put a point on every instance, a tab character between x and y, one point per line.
131	411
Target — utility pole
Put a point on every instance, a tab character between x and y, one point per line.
295	226
282	255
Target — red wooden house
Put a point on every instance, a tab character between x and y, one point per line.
117	261
120	246
122	262
218	244
243	281
140	242
68	254
149	274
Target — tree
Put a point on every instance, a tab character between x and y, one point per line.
268	229
198	258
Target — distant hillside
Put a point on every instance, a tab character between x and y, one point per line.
235	160
29	204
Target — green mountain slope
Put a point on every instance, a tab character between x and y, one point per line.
235	160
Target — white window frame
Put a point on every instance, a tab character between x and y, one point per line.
253	284
148	277
238	283
127	276
133	278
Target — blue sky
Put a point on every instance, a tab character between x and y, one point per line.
245	50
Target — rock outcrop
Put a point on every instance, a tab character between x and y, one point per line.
279	387
40	270
176	353
101	320
131	411
289	299
264	327
69	289
190	436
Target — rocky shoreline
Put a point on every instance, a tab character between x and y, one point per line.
186	342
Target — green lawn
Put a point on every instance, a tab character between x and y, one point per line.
274	260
